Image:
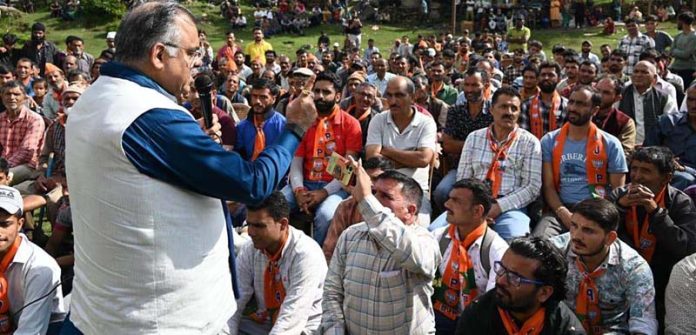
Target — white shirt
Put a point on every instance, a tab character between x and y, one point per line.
32	274
381	84
420	133
302	270
638	112
484	281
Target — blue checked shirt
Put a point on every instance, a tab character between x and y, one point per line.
522	176
380	277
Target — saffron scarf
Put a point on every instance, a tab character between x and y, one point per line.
595	160
273	289
259	140
536	122
7	326
324	145
643	241
532	326
587	301
494	176
459	279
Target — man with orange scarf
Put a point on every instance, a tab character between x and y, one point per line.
283	269
609	284
545	112
658	220
311	187
581	161
465	271
528	295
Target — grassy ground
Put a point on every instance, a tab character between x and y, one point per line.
95	33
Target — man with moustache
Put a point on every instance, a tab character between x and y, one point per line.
469	251
263	124
508	158
643	102
530	82
611	119
282	270
657	220
617	63
462	120
581	161
546	111
530	286
56	83
310	186
440	89
571	68
405	136
588	73
363	110
610	285
38	49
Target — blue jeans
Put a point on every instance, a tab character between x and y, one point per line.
683	179
323	213
441	193
510	224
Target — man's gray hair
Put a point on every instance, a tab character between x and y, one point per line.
147	24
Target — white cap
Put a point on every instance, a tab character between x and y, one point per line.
10	200
111	35
431	52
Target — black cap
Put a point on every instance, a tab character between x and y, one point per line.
38	26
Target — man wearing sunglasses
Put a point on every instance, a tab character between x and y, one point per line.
528	295
610	285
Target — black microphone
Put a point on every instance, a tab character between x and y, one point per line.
203	85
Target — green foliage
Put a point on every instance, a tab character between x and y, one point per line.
102	9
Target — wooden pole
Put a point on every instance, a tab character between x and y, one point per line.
454	17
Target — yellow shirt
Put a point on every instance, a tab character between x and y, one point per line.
515	33
258	50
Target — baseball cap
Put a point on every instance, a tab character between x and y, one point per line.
11	201
111	35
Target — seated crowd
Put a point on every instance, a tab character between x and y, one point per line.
491	193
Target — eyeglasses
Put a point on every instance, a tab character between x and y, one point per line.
513	278
193	54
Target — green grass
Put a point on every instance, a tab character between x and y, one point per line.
95	33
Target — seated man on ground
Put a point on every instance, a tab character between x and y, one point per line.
281	275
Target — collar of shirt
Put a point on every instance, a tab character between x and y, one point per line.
122	71
415	122
266	115
638	94
24	251
22	115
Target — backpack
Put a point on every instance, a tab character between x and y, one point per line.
484	250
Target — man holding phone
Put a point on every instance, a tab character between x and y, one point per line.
311	187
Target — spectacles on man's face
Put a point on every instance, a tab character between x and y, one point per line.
513	278
194	54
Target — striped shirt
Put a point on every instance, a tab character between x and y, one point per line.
380	277
522	168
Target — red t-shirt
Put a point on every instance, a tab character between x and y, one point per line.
347	135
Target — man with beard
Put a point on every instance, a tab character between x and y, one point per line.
657	220
508	158
242	69
515	69
610	285
381	77
285	72
310	186
56	84
642	102
617	63
634	44
76	47
581	161
462	119
439	89
469	251
328	62
530	82
588	73
546	111
258	47
405	136
38	50
530	286
572	68
587	55
612	120
263	124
